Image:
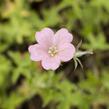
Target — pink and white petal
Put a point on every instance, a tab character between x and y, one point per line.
63	36
66	52
45	36
37	52
51	63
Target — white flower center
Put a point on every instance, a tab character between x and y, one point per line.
52	50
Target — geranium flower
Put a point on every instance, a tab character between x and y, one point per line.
52	49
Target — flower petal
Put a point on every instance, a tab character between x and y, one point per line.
51	63
45	37
63	36
66	52
37	52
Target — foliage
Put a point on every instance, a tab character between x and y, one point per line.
21	79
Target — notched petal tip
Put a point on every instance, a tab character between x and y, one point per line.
47	28
63	29
30	48
37	34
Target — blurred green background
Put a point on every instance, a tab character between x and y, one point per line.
24	84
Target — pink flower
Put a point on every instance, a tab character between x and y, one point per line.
52	49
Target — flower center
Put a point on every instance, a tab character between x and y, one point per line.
53	51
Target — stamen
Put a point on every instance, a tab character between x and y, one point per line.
53	51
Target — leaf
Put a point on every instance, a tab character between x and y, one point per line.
75	63
79	45
82	53
79	63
